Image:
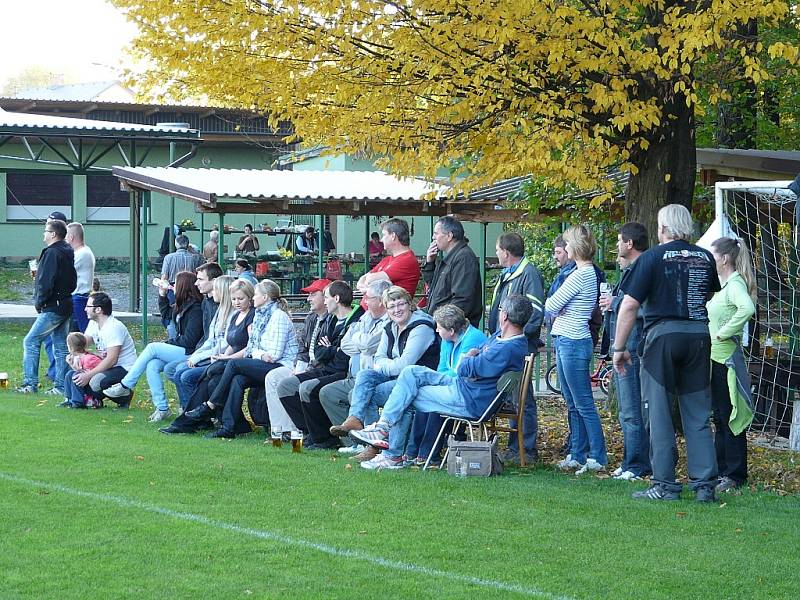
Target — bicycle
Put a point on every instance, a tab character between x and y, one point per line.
601	377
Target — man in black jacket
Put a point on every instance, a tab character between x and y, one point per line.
55	281
456	277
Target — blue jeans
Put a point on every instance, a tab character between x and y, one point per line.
424	390
185	379
152	361
79	311
361	398
48	349
371	391
573	358
46	324
635	438
74	393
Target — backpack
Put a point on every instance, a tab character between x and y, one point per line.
596	319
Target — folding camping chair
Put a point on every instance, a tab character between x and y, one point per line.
505	386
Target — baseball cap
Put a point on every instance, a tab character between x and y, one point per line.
316	286
57	216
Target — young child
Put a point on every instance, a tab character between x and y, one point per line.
81	360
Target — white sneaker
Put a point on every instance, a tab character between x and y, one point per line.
591	465
617	472
383	462
160	415
568	464
117	391
354	449
627	476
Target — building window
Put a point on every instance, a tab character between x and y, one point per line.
104	200
33	196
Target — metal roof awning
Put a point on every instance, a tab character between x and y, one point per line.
22	124
314	192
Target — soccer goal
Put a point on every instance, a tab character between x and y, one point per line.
765	215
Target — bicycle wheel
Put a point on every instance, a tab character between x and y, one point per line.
551	379
605	376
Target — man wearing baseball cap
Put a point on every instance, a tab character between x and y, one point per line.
278	417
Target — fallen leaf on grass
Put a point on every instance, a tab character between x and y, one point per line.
139	457
680	515
348	467
738	530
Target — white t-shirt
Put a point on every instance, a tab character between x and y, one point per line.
84	267
113	333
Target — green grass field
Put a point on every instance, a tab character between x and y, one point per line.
98	504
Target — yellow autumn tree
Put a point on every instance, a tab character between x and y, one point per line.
563	89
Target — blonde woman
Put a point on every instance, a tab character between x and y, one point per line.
237	336
571	306
273	343
728	312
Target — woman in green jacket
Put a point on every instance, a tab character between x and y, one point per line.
728	312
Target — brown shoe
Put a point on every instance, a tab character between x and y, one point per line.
350	424
367	454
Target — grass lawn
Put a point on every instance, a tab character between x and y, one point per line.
99	504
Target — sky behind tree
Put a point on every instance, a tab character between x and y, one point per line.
81	40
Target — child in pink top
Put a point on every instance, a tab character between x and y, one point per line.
79	359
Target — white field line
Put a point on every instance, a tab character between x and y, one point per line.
289	541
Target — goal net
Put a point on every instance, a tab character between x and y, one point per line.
764	215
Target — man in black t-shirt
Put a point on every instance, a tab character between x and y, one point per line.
673	282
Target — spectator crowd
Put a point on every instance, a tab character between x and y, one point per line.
372	378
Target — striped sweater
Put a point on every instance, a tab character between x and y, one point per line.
573	303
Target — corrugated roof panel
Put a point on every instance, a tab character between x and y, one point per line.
27	120
292	185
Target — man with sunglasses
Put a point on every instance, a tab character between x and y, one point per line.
55	281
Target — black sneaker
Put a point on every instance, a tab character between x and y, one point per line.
705	493
656	492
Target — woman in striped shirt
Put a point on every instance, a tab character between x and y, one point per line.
572	305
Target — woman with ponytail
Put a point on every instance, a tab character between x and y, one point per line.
273	343
728	312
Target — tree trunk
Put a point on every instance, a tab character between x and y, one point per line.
667	170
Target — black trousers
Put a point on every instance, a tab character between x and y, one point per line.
239	375
205	386
311	416
731	449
